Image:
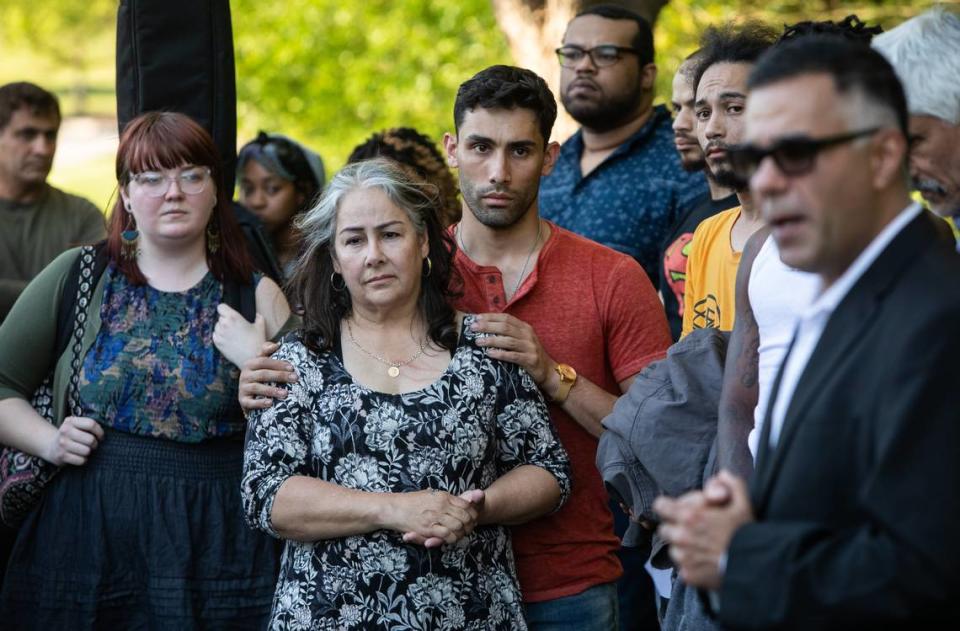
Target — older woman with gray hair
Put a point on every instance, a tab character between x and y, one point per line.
394	464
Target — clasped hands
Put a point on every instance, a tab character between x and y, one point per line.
700	525
432	517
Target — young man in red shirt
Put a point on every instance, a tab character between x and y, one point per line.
580	317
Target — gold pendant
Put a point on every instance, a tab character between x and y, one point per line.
393	371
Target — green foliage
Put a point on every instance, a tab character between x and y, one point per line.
57	28
681	22
64	45
330	73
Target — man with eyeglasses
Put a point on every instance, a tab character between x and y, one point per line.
37	220
618	179
925	52
850	518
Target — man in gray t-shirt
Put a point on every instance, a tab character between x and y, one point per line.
37	221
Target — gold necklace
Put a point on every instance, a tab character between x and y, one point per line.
393	367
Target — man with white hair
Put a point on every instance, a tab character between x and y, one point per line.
925	52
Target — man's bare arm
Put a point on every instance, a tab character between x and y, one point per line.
738	397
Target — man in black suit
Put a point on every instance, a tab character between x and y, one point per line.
851	516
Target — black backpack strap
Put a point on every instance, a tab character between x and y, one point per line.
241	298
258	246
68	299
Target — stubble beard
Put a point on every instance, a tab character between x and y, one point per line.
722	175
497	218
609	112
692	165
727	179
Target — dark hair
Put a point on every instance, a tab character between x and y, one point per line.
852	65
416	152
642	41
324	306
688	67
507	87
14	96
284	158
168	140
733	43
850	27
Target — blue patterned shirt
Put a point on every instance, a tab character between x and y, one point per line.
629	201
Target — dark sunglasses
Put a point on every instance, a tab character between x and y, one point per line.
794	156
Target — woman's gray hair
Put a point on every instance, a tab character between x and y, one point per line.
925	52
318	225
324	303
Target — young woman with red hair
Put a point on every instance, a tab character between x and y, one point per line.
142	527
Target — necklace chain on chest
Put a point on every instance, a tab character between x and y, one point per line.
523	270
393	368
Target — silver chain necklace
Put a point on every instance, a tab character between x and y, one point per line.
393	367
523	270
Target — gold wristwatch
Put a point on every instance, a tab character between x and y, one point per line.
568	377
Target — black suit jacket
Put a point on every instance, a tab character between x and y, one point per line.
858	506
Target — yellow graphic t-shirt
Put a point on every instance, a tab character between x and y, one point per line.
711	275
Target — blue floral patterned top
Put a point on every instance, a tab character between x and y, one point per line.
478	421
153	369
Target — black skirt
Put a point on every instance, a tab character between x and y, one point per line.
149	534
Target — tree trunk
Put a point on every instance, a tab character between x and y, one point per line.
534	29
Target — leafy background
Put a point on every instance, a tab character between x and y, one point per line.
330	72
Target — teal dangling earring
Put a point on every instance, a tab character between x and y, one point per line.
129	239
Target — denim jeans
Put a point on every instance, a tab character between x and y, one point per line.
592	610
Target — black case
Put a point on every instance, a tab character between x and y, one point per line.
177	55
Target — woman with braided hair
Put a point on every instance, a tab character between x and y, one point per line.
420	158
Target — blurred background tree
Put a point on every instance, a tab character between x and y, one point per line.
68	43
330	73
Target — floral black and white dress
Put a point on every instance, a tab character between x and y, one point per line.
478	421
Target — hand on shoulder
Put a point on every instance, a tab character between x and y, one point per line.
256	391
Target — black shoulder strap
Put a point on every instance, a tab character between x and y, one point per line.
258	246
68	299
242	298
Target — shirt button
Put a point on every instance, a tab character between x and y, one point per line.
491	279
496	300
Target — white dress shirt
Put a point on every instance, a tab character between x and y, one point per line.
814	319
